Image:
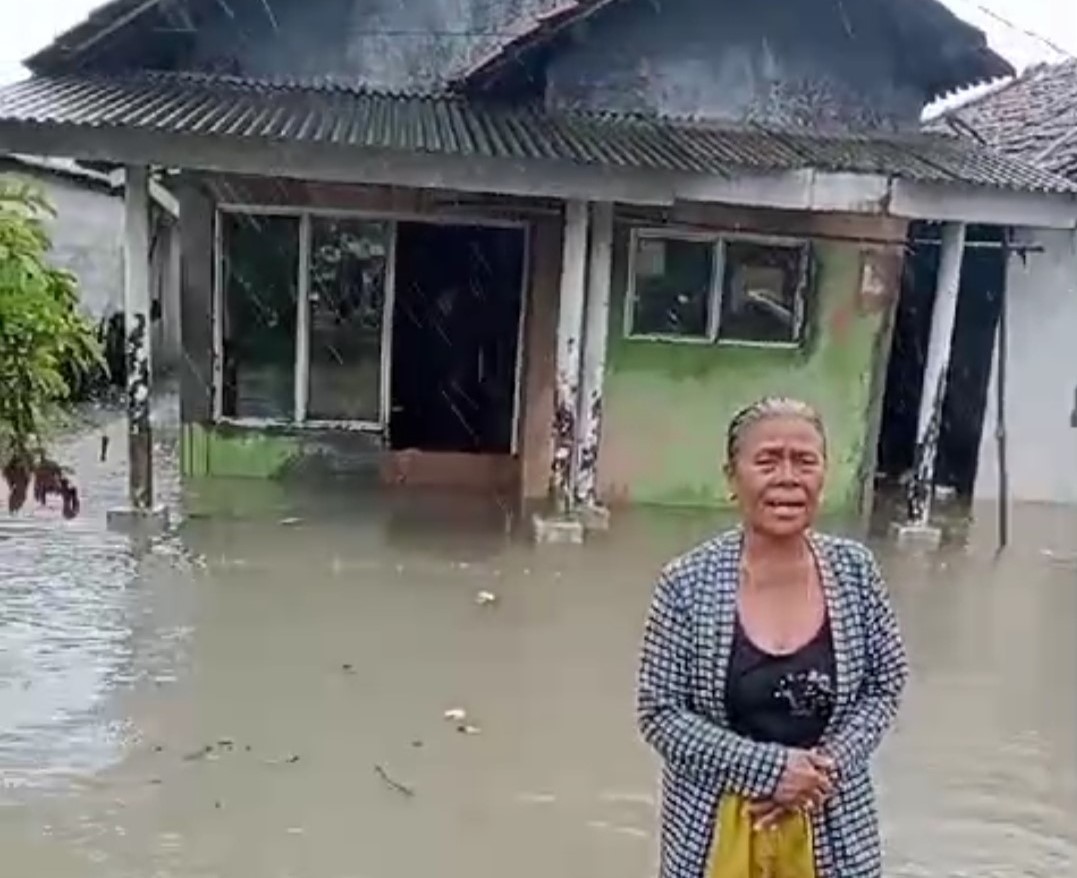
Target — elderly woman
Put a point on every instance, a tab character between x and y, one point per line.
772	667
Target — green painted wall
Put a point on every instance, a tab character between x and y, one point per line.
667	404
207	451
278	452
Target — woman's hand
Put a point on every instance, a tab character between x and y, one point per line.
807	781
805	786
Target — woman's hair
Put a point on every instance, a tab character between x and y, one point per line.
768	407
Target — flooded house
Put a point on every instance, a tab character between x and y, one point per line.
540	248
1032	118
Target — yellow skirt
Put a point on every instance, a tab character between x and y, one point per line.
783	850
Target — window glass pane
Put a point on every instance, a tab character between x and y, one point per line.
760	292
347	297
673	287
260	269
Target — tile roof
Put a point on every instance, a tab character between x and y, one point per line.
330	113
948	52
1033	118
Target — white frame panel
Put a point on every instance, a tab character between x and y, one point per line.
716	292
392	219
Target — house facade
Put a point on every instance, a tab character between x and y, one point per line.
544	249
1034	118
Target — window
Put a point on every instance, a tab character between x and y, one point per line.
705	288
260	266
300	318
673	288
762	292
348	262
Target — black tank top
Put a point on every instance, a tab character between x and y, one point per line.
781	699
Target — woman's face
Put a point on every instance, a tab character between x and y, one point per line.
778	474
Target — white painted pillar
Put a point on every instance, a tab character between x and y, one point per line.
302	347
136	306
596	332
937	362
569	353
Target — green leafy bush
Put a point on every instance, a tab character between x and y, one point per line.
45	342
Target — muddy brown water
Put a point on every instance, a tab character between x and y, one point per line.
263	693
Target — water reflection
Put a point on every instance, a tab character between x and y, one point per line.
266	694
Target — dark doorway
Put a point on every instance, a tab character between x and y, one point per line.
983	273
455	335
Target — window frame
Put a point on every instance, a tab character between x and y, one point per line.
301	365
716	291
713	291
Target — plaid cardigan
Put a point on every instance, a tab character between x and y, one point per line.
681	711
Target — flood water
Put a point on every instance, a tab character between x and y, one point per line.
263	693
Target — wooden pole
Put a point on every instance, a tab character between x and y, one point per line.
1000	405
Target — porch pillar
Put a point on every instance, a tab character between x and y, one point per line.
136	304
596	331
569	331
936	369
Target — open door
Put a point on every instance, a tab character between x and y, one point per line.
456	331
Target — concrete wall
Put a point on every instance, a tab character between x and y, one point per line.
797	63
667	404
1041	386
87	240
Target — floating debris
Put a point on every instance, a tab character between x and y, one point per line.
456	715
465	729
287	760
394	785
348	668
199	754
483	598
288	522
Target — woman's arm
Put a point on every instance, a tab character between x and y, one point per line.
885	675
683	738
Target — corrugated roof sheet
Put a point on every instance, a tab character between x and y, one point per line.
1033	118
328	113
